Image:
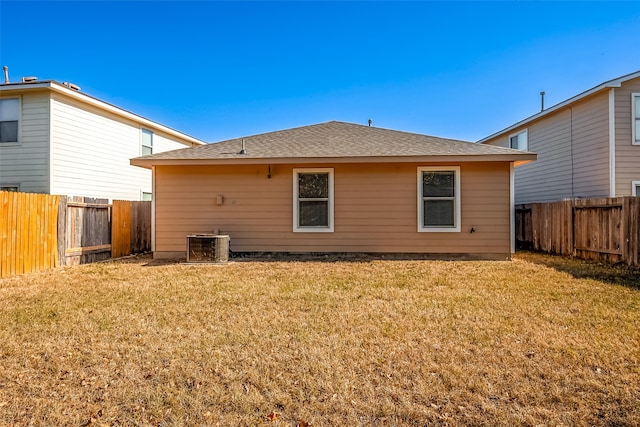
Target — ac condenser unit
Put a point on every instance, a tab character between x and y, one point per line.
207	248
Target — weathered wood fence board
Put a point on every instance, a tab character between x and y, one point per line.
606	230
131	227
121	228
28	236
87	233
140	227
39	231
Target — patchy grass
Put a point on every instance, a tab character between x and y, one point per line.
536	341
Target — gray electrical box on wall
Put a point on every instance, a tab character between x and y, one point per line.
203	248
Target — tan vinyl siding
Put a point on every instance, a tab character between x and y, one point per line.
375	209
91	151
27	163
627	154
573	153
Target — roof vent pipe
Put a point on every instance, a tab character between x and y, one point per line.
6	74
369	121
71	86
243	151
542	100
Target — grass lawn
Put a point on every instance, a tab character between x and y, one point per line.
537	341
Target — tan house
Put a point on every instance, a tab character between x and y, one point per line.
338	188
587	146
56	139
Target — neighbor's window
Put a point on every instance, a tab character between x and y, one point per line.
635	188
12	188
147	197
9	116
313	200
439	199
519	141
636	118
147	142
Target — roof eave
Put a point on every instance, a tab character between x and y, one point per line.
105	106
606	85
516	158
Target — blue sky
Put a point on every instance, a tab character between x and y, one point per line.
218	70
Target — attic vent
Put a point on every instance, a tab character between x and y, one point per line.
71	86
29	79
207	248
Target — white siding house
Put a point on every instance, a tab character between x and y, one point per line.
57	140
586	145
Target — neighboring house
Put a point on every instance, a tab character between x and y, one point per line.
341	188
587	146
55	139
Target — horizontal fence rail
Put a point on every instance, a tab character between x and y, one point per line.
40	231
606	230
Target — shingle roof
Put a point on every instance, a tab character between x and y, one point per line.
331	140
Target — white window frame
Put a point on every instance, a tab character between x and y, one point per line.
19	131
635	188
635	116
524	132
146	193
456	206
142	145
296	227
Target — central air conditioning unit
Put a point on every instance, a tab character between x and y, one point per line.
207	248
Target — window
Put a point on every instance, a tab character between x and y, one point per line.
519	141
147	142
439	199
635	110
9	116
147	197
12	188
635	188
313	200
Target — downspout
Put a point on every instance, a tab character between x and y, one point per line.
612	143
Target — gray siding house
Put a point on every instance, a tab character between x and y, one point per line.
587	146
55	139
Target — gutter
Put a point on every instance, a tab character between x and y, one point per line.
517	159
95	102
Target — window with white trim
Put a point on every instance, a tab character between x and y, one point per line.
9	118
146	196
635	188
146	142
439	199
520	140
313	200
635	119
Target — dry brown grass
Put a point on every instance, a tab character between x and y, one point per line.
536	341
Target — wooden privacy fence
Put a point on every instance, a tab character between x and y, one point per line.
28	232
606	230
39	231
131	228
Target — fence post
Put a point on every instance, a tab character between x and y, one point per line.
62	230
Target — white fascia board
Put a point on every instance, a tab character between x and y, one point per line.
606	85
95	102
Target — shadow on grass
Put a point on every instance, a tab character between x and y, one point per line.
581	269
